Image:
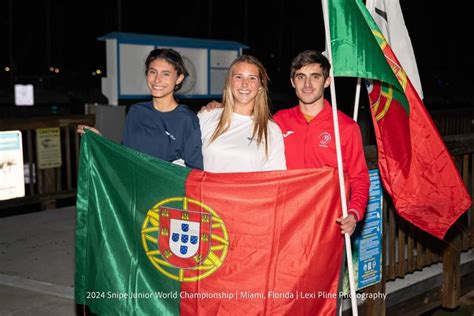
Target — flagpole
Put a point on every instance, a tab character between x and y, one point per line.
355	115
357	96
342	186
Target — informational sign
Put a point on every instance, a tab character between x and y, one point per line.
12	183
48	146
24	94
367	243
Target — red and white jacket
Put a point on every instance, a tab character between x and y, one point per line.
312	145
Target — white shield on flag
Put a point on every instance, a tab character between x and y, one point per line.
184	238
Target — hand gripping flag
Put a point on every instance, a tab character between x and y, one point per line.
416	168
153	238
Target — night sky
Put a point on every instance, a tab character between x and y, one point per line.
63	34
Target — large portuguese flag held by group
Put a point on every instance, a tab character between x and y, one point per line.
153	238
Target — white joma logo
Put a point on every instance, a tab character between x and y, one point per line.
288	133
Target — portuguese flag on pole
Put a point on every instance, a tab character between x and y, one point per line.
153	238
416	168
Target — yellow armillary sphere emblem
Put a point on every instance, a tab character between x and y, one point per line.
185	244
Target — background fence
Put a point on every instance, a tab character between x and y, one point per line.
47	186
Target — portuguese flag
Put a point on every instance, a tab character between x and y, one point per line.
153	238
416	168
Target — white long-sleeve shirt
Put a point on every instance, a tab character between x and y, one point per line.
235	150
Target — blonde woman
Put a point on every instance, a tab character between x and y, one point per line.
241	136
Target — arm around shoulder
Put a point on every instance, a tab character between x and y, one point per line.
276	149
192	153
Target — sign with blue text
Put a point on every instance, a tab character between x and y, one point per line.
367	242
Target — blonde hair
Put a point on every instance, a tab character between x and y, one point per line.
261	111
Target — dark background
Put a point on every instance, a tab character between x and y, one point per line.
63	34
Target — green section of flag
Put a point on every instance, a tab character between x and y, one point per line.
113	273
356	51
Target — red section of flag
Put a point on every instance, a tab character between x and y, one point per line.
429	193
392	125
284	245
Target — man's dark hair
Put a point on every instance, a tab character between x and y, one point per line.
309	57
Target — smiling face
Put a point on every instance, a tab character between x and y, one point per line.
309	84
245	84
161	78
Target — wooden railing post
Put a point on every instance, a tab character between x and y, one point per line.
375	306
49	186
451	290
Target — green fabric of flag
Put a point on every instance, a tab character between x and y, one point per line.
415	165
117	174
356	51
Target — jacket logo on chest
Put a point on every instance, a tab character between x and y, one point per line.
170	135
288	133
324	139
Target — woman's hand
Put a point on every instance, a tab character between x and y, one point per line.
81	129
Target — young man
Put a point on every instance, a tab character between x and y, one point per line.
308	133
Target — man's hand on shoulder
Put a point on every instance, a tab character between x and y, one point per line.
211	106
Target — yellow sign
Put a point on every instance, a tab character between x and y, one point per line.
48	147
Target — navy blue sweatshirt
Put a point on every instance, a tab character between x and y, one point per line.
166	135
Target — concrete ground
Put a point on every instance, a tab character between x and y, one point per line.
37	263
37	266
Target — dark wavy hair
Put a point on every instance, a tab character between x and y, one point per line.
172	57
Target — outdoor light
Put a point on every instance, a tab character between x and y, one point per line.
7	69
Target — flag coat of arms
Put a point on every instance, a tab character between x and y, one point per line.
153	238
415	165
